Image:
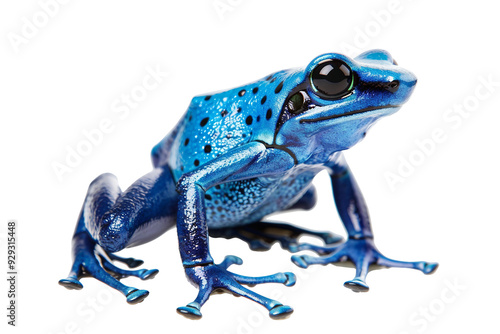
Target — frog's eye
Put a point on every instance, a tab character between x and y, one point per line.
332	79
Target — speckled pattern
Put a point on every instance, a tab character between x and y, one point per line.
247	201
215	123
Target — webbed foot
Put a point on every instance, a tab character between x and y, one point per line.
91	260
213	277
362	253
261	236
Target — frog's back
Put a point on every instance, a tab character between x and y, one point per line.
218	122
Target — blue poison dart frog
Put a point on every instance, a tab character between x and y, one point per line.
236	157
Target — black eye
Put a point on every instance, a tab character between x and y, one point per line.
332	79
297	102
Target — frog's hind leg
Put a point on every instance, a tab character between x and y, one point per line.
86	263
110	220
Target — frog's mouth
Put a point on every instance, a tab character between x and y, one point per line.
349	113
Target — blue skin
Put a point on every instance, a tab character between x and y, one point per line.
234	158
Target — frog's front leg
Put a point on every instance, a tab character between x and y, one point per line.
247	161
359	247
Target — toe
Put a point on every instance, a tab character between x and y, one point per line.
71	283
133	263
136	296
280	312
229	260
294	248
290	279
190	311
300	260
332	238
259	245
149	274
430	267
357	285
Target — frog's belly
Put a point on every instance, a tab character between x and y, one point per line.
247	201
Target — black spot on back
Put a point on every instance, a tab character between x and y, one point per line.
224	113
279	87
204	121
242	92
207	148
263	100
197	162
186	141
255	90
269	114
208	97
249	120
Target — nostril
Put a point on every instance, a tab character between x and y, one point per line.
392	86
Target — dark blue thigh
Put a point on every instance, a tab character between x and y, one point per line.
141	213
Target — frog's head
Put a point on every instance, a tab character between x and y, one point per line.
338	99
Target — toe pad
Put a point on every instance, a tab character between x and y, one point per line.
280	312
357	285
71	283
290	279
190	311
133	263
300	261
136	296
430	267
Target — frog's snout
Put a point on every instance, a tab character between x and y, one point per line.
411	79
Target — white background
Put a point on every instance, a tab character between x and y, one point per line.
64	78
